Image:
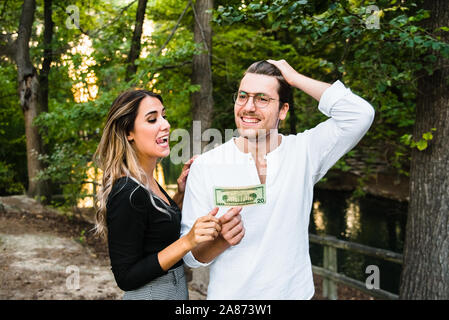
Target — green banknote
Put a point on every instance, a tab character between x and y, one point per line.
240	196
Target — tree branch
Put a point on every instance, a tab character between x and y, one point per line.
167	41
134	51
48	54
48	36
166	67
113	21
203	36
25	67
174	29
94	34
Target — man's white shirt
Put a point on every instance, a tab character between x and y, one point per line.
272	260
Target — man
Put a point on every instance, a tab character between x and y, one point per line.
269	258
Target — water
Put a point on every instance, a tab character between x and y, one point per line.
371	221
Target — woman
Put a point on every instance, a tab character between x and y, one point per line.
139	219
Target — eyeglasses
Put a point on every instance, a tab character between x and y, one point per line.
261	100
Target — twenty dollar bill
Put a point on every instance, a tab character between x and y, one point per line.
239	196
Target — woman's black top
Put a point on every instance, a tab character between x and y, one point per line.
137	231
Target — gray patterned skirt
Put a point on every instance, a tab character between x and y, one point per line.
170	286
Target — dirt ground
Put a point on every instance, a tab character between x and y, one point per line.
42	251
47	255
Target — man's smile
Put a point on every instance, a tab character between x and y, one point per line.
250	120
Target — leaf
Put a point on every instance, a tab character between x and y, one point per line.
406	139
409	43
436	45
428	43
276	25
254	6
427	136
421	145
381	87
292	8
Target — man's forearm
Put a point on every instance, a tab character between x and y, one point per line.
312	87
207	251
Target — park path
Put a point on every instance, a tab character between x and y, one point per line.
44	255
47	255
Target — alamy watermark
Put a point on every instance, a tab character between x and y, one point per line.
73	20
373	21
72	282
189	144
373	280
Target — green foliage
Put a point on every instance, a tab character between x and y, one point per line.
8	182
13	167
82	237
407	139
325	40
71	130
382	65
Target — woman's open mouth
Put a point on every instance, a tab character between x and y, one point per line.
162	141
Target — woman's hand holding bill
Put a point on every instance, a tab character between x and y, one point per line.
206	228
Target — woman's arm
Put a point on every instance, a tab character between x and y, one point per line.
205	230
126	232
232	232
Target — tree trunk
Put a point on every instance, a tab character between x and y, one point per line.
45	71
425	273
134	52
30	100
202	100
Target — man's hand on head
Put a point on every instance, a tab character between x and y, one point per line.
312	87
290	75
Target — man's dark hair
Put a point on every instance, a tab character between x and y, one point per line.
285	91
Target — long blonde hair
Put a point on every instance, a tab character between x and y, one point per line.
115	155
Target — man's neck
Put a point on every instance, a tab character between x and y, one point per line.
259	147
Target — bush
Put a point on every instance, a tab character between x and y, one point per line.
8	184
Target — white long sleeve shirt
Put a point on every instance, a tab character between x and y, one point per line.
272	260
